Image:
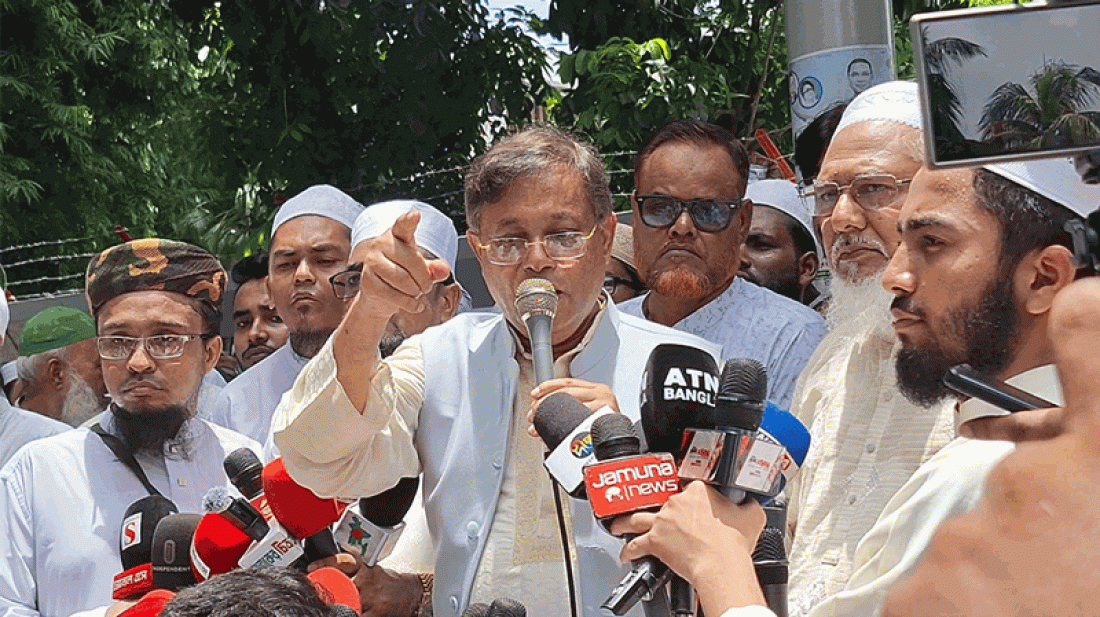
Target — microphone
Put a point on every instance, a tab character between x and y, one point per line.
335	588
172	543
136	546
781	427
769	558
537	301
245	471
680	384
373	531
303	514
478	609
236	511
507	607
150	605
217	547
565	425
624	481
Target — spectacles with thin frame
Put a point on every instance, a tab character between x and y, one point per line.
871	192
159	347
708	215
346	284
563	246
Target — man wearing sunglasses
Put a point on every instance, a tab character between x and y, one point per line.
310	241
868	438
454	402
157	306
690	221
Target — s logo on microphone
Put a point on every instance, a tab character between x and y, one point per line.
131	531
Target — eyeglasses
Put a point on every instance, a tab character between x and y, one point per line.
872	192
160	347
564	246
611	284
709	215
346	284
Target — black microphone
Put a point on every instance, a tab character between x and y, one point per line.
624	481
478	609
237	511
374	529
171	559
769	559
969	382
245	471
537	301
565	424
507	607
136	546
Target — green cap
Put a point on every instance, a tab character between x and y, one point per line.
54	328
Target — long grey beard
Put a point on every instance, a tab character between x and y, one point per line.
859	309
81	402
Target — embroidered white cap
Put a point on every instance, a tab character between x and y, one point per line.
319	200
1056	179
435	232
893	101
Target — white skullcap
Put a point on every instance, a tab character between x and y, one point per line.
894	101
319	200
3	314
435	232
1056	179
9	372
784	196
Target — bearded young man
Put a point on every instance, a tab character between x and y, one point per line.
62	499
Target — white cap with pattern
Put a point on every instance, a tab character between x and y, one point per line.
319	200
893	101
1056	179
435	232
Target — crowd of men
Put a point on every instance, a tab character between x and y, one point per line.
352	361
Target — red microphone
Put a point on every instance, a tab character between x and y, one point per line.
217	546
622	480
335	587
303	514
150	605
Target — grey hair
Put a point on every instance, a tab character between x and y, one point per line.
29	368
530	151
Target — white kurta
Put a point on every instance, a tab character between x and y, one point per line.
868	440
948	484
749	321
19	427
62	501
248	403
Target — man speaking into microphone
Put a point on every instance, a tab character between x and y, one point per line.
452	403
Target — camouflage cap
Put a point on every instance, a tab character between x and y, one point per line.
54	328
153	264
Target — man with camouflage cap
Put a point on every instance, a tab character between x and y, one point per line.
156	304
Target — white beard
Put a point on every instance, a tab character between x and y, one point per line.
80	402
859	309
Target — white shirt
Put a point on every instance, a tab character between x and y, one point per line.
209	391
749	321
248	403
948	484
19	427
867	441
62	500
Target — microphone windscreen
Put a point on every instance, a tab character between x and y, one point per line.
138	524
787	430
300	512
150	605
678	390
172	551
339	610
476	610
507	607
536	297
613	436
217	499
217	546
741	394
769	546
335	588
245	471
389	507
557	416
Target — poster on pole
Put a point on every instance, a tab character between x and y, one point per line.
822	80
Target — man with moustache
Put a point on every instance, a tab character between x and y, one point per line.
60	372
454	402
780	252
258	330
310	242
157	306
983	259
690	221
868	439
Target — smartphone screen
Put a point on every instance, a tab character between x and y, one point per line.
1007	83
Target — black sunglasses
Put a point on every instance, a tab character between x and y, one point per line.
709	215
